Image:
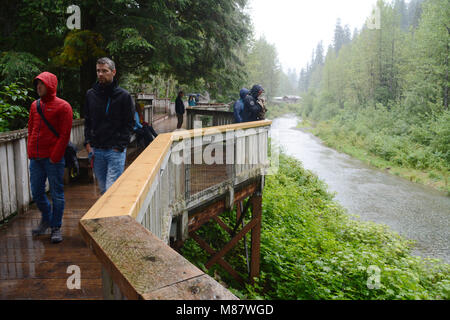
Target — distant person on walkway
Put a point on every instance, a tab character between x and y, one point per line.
191	101
109	122
239	106
46	152
254	110
179	108
145	132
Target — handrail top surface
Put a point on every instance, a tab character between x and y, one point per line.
124	196
192	133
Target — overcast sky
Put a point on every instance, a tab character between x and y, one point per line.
295	27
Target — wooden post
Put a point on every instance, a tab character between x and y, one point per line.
184	231
238	210
256	235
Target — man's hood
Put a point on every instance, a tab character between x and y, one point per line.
243	93
255	90
51	82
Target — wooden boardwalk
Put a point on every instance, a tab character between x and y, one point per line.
34	268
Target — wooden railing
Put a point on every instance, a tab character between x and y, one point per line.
129	227
210	116
14	173
15	192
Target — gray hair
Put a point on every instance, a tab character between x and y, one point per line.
107	61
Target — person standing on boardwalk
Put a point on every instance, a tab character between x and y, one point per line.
109	122
253	108
179	108
239	106
49	126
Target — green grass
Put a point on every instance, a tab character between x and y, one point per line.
278	110
312	249
385	153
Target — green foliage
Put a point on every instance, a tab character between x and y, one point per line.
385	91
311	249
263	67
13	114
189	41
130	46
277	110
79	47
18	66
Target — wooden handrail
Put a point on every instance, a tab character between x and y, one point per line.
134	258
137	179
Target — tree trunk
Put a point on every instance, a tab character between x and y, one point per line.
88	74
88	77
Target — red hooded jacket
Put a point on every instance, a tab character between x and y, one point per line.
42	142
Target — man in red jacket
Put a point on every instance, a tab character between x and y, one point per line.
46	153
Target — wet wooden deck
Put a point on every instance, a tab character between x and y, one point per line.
34	268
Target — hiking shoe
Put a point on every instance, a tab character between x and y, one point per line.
41	229
56	235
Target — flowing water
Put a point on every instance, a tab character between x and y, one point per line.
414	211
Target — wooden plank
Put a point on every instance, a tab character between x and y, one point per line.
127	194
49	253
230	244
223	225
205	246
47	270
199	288
200	218
203	214
4	180
137	260
42	289
179	135
12	176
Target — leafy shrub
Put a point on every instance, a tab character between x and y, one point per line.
13	114
18	66
311	249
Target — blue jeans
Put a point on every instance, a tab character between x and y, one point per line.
40	170
108	166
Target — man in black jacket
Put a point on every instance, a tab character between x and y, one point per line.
109	121
253	111
179	109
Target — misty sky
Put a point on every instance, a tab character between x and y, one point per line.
296	26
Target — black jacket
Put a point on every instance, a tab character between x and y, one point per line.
179	105
110	128
252	108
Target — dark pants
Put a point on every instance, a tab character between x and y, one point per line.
180	120
40	171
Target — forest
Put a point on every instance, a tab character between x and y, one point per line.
382	94
158	46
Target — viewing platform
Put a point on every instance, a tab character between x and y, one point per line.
123	242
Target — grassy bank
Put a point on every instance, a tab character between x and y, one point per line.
311	249
398	155
278	110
